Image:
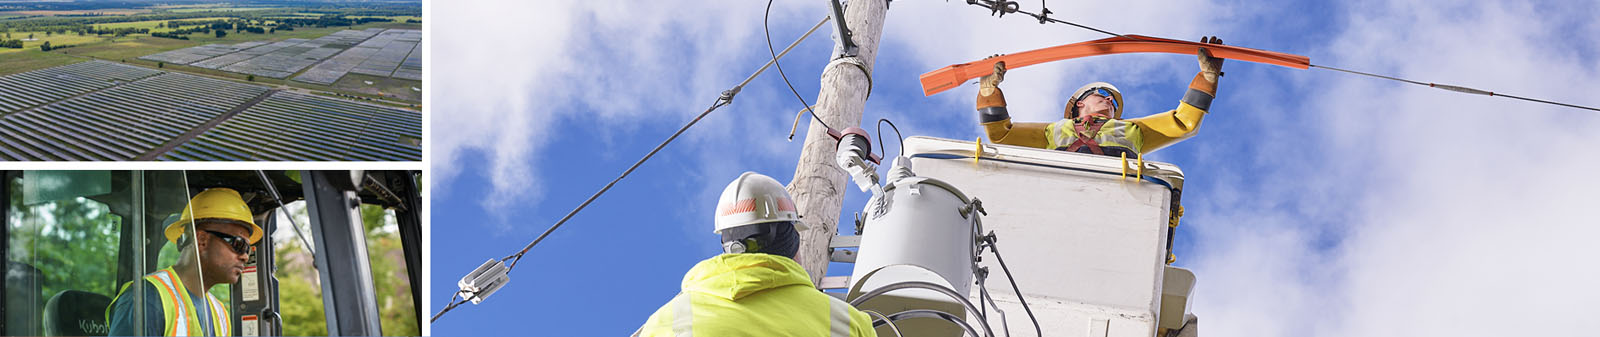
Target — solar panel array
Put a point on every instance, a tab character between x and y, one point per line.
392	53
107	111
296	127
385	49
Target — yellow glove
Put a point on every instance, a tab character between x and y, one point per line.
1209	65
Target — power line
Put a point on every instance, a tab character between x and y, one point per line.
1002	7
723	100
768	32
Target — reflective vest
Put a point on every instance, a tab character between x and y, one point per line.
1097	135
754	295
181	317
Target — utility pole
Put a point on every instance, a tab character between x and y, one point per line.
818	186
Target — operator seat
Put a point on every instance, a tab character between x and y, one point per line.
76	313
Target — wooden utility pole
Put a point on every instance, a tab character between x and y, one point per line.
818	186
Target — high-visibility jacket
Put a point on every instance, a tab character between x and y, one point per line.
754	295
176	304
1141	135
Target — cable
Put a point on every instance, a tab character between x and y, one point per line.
768	33
930	286
928	313
723	100
886	320
1003	7
896	134
453	304
292	224
1013	281
1459	89
720	102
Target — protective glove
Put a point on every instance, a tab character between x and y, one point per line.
1209	65
990	82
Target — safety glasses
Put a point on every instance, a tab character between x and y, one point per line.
1103	92
238	244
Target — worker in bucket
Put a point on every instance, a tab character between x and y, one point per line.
755	288
1092	120
214	235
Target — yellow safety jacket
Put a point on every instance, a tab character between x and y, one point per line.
1141	135
754	295
179	309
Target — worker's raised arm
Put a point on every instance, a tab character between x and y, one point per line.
1163	129
997	121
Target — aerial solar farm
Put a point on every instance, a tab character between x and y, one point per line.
213	82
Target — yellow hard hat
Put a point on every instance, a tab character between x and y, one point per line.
215	203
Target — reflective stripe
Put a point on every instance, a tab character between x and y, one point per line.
220	324
178	320
682	316
839	314
1198	99
1114	133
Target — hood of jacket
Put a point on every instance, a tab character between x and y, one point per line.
733	276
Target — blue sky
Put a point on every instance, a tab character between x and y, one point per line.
1317	202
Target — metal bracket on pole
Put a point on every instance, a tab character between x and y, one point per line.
844	31
843	241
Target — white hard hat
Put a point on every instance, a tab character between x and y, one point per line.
1116	97
754	199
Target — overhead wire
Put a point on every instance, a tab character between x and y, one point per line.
722	100
768	33
1002	7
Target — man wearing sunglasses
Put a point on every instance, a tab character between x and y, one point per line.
1092	120
214	235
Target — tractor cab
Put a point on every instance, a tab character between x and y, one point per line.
340	254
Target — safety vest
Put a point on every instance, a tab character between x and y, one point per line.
181	317
1097	135
754	295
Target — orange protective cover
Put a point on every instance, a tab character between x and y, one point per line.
937	81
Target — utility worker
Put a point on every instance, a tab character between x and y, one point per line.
755	288
214	236
1092	120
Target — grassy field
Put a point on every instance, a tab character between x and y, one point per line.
69	38
31	59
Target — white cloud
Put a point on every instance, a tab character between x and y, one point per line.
1466	216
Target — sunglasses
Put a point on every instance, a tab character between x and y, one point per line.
238	244
1103	92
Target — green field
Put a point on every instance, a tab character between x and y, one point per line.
31	59
69	38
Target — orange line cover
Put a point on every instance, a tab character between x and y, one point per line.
946	78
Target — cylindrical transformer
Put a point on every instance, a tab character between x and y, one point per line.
915	231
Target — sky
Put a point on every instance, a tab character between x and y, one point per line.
1317	203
